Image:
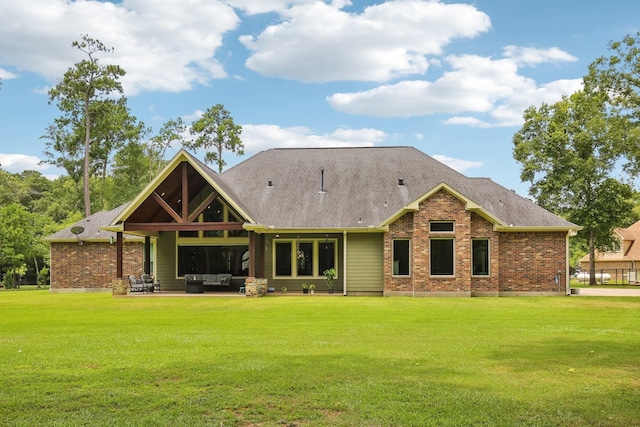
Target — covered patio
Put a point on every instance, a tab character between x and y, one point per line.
191	226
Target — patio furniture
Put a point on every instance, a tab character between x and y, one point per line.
219	279
137	285
148	280
193	286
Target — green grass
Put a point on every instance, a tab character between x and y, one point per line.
91	359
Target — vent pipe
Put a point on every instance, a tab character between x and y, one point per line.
400	181
322	180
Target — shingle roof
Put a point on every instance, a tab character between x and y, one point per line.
91	231
344	188
361	188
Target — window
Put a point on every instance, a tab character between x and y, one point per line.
326	255
441	226
441	257
303	258
217	211
401	257
283	258
480	257
304	255
210	259
213	213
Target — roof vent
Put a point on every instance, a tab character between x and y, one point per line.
400	181
269	183
322	181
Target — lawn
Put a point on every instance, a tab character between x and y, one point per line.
91	359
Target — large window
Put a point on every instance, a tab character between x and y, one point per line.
401	257
304	258
441	257
480	257
217	211
304	255
211	259
326	255
283	258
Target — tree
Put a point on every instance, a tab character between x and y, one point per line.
568	152
79	95
618	78
171	132
216	130
17	237
129	173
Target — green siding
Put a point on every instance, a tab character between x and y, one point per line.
166	262
365	263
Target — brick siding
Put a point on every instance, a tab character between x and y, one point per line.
91	265
519	262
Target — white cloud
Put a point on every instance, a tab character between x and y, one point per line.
457	164
474	84
466	121
15	163
261	137
166	46
319	42
4	74
534	56
253	7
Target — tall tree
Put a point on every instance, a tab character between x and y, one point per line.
172	132
63	149
568	153
217	132
79	95
618	78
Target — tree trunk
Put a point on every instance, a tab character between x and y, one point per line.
87	144
35	262
592	258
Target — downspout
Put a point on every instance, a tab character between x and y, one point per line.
566	266
344	263
413	272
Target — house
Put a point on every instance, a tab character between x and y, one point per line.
620	262
390	220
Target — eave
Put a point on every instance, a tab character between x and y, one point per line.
470	205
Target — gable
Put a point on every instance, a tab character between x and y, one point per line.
182	191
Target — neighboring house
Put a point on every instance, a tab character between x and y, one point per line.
390	220
627	257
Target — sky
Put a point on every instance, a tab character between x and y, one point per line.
451	78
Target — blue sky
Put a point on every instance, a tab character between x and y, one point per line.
451	78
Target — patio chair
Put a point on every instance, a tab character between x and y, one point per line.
147	280
135	284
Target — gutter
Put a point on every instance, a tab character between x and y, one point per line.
344	262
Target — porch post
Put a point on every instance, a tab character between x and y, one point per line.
261	254
252	254
147	254
119	254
